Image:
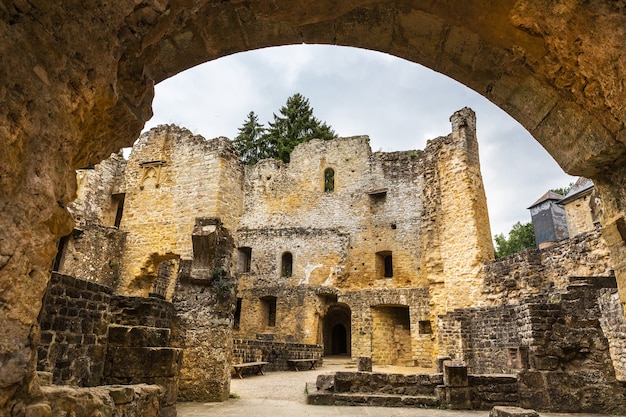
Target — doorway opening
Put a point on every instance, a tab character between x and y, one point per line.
337	331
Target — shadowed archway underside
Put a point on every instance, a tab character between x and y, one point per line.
78	84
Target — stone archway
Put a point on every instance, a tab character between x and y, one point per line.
78	84
337	331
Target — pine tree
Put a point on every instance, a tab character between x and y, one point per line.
296	124
249	141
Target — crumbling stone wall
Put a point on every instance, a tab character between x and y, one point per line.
422	212
92	253
91	337
555	342
532	272
172	178
204	299
74	331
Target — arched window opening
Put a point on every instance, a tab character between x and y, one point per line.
329	180
286	265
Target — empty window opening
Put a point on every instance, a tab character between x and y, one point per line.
425	327
269	309
237	318
286	265
117	204
384	264
388	266
329	180
244	259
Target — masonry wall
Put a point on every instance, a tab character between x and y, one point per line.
362	305
93	253
276	353
534	272
94	203
172	178
73	321
579	215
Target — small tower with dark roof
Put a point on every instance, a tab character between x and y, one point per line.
549	220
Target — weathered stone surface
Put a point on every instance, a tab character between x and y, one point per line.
80	82
455	374
364	364
500	411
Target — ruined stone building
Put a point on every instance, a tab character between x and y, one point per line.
356	251
343	251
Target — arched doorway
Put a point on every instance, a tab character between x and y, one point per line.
337	331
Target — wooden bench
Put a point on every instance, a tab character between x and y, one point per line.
293	363
257	367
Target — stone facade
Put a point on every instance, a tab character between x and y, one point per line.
382	246
381	256
353	250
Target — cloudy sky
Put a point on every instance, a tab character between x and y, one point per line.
397	103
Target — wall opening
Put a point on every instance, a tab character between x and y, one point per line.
391	335
244	259
268	310
117	207
237	316
384	264
337	330
286	265
329	180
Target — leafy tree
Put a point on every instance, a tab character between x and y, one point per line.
295	124
564	190
521	236
249	141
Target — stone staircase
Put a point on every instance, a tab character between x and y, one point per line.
142	355
375	389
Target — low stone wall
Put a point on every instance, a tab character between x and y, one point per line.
276	353
478	392
481	337
129	401
532	272
487	391
73	320
90	337
566	346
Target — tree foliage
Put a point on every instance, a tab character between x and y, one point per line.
294	125
249	142
521	236
564	190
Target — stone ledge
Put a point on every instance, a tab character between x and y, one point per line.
500	411
315	397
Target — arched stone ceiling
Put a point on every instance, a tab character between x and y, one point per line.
77	78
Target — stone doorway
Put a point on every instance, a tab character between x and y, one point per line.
337	331
391	335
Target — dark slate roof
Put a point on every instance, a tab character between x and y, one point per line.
549	196
581	187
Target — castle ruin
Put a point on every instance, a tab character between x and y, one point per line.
343	251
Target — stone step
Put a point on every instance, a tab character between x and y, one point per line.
138	336
316	397
142	362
